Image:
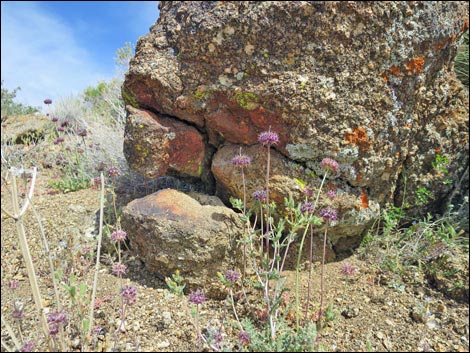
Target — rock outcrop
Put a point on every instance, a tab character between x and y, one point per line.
369	84
172	231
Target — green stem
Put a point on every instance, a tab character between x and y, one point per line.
297	306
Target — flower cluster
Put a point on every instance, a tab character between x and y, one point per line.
331	193
119	269
268	138
348	269
59	140
47	101
232	276
82	132
197	297
14	284
330	164
18	310
55	319
260	195
113	172
329	214
244	337
118	235
241	160
27	347
129	294
307	208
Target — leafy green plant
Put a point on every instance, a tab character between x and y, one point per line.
440	163
422	195
70	184
12	108
461	61
175	283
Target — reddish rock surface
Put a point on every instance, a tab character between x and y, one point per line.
180	149
172	231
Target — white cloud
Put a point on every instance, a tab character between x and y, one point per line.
40	54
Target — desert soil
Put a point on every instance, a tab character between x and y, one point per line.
374	310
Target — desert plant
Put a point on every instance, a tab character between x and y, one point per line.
12	108
461	61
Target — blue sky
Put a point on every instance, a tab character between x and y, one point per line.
53	49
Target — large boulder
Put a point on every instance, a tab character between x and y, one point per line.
369	84
172	231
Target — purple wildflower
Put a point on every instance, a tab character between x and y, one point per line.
54	320
118	235
268	138
53	329
329	214
197	297
58	316
113	172
308	192
330	164
241	160
82	132
307	207
259	195
232	276
14	284
244	337
331	193
18	310
27	347
59	140
96	182
348	269
61	160
119	269
55	119
47	101
129	294
64	123
61	129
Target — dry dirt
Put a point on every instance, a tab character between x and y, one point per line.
373	310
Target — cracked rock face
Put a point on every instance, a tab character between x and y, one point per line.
369	84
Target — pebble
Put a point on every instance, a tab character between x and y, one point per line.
164	344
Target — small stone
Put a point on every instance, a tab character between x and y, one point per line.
164	344
76	343
432	324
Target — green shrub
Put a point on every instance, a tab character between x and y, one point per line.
461	61
9	107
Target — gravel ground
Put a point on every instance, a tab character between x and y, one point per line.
372	310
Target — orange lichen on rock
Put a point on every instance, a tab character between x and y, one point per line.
415	66
364	199
359	138
395	70
384	76
438	46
